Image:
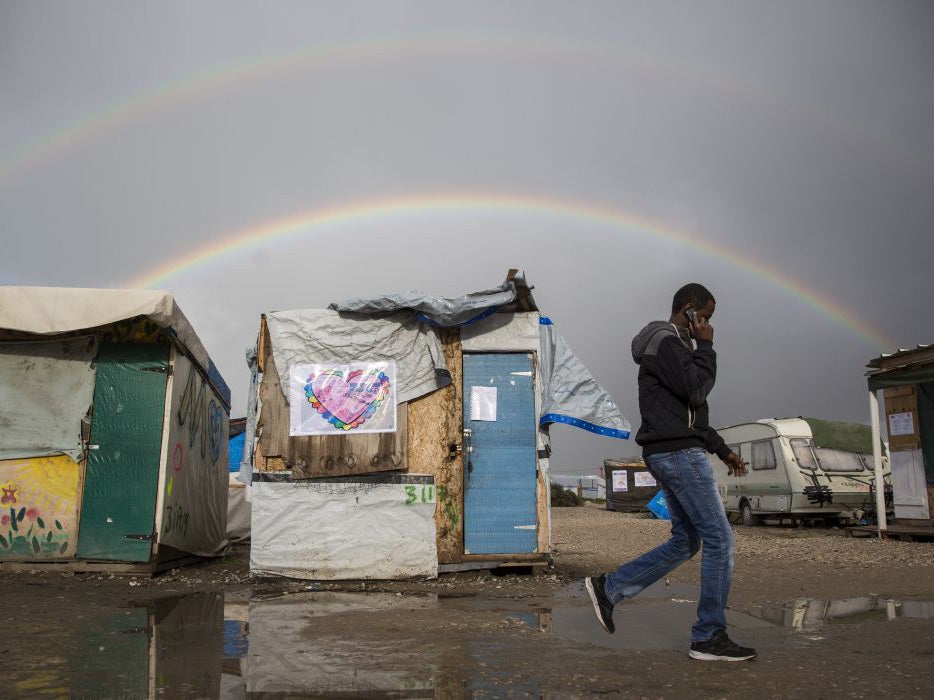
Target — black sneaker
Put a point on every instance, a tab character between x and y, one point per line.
601	604
720	648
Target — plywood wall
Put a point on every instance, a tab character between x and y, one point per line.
435	423
322	455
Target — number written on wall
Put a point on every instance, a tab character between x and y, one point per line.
419	493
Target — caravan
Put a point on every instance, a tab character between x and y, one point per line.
799	469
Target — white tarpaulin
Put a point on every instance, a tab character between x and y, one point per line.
195	496
572	396
46	388
238	510
324	336
53	310
337	530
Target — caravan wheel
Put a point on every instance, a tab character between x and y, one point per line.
747	518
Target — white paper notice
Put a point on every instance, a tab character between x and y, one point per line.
901	423
644	479
483	403
619	481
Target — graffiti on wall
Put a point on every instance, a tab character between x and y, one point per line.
195	486
176	520
38	507
199	412
140	330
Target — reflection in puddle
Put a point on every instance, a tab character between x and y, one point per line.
811	613
331	643
163	645
327	643
656	620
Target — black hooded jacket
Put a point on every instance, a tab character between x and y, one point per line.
674	381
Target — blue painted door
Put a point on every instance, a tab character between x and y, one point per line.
500	466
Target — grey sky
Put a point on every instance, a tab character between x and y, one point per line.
790	137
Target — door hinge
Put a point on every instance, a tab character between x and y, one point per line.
146	538
166	370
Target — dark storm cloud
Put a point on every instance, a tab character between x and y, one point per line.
795	137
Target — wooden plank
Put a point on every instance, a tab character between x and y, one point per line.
344	455
435	424
273	424
903	399
914	358
322	455
543	503
262	344
111	567
507	559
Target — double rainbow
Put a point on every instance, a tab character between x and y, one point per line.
379	210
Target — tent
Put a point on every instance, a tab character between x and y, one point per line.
407	434
113	449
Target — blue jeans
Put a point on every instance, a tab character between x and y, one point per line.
697	517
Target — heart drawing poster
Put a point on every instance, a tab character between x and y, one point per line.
342	399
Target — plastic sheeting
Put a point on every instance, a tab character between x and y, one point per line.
46	388
503	332
333	530
571	394
323	336
441	311
245	474
52	310
194	508
238	511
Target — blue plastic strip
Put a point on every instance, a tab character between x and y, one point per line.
214	376
545	321
586	425
486	312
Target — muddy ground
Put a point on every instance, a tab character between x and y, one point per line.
864	612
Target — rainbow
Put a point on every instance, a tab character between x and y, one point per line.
168	94
379	210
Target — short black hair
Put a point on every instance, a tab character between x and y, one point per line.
695	294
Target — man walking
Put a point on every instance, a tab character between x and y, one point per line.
675	378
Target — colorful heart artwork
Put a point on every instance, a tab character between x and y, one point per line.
347	402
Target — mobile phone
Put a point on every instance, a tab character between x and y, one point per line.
691	316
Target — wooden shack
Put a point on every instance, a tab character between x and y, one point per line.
448	489
113	450
906	378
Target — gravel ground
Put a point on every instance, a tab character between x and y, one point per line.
770	561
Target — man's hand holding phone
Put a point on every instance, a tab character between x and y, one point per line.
698	325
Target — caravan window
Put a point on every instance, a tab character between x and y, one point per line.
763	455
802	449
839	460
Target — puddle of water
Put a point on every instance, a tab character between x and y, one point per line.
328	643
810	614
659	618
